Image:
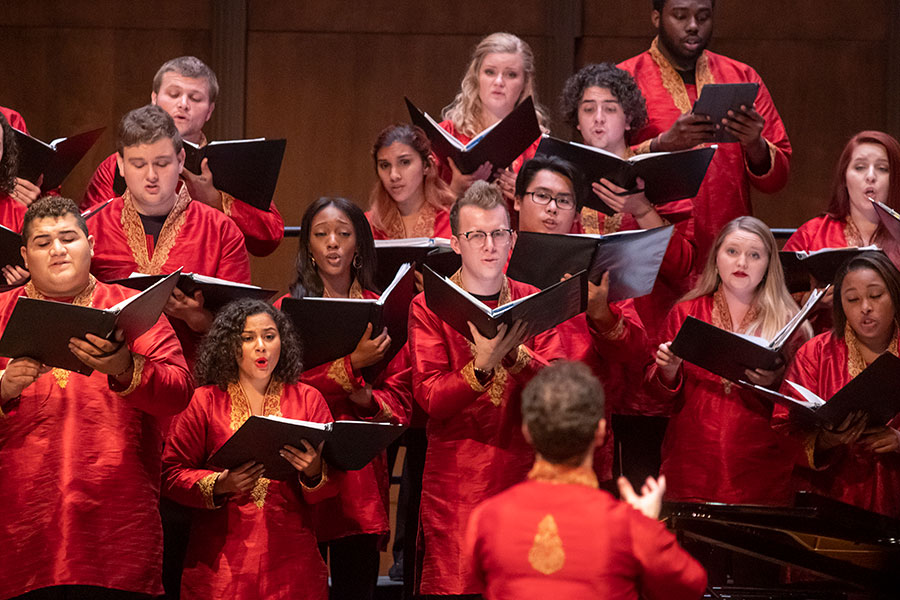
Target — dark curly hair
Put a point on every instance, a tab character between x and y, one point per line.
308	283
217	357
54	207
9	163
605	75
561	408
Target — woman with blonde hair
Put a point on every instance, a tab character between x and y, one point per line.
409	199
499	77
719	445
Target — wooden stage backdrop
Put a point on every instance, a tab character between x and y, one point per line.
328	75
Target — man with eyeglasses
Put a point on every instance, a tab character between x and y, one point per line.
471	392
609	338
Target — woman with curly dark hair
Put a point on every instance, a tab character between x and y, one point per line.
251	537
336	259
605	104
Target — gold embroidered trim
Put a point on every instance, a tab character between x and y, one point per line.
385	413
136	373
227	201
617	332
672	80
549	472
207	486
337	372
773	152
424	226
137	238
612	223
84	298
468	373
590	220
851	233
322	479
856	364
809	448
240	405
546	554
644	147
260	489
523	358
721	318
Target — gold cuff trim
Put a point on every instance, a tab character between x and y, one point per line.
616	332
468	373
259	492
227	201
773	152
135	374
523	359
385	413
322	479
337	372
643	147
207	484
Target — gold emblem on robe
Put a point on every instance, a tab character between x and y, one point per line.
547	555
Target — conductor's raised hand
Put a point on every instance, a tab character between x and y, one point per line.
308	461
687	131
19	374
239	480
370	350
649	503
110	357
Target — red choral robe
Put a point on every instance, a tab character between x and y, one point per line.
260	544
362	503
262	230
557	536
725	193
719	445
14	118
475	443
195	236
610	355
80	466
12	212
850	474
433	223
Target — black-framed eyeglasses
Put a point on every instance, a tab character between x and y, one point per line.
478	237
543	198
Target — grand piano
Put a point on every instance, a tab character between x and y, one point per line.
821	549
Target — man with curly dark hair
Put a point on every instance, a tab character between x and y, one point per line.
251	537
671	75
79	469
556	534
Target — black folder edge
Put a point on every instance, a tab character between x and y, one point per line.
889	218
50	156
273	435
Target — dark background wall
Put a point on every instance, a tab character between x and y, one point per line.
328	75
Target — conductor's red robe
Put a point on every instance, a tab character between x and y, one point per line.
362	503
557	536
195	236
80	466
475	443
262	230
719	445
725	193
850	474
258	545
611	355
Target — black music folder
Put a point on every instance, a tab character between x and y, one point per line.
41	329
889	217
632	258
216	292
874	392
500	144
246	169
349	445
54	160
716	99
434	252
668	176
332	327
822	265
540	311
729	354
10	248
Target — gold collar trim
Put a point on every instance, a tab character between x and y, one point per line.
137	237
856	364
240	404
672	80
562	474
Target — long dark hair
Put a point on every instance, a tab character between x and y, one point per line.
874	261
9	164
217	357
308	282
